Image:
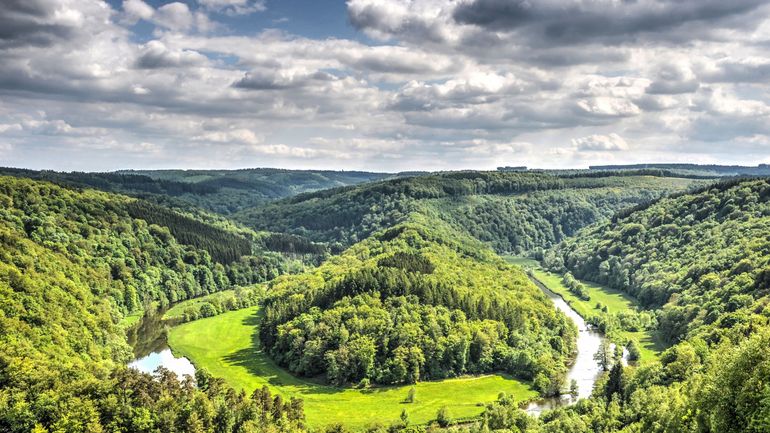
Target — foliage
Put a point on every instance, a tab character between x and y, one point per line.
224	345
214	304
72	264
410	304
512	211
220	191
222	245
699	258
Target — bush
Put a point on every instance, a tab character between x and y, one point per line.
442	417
633	351
208	310
411	396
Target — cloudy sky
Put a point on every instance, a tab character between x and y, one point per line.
382	85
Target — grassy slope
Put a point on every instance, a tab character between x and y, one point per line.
224	345
650	346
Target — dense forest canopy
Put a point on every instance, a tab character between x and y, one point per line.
700	261
218	191
72	264
512	211
412	303
700	257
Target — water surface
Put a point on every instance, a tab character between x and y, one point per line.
149	342
585	369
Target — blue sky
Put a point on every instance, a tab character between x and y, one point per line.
382	85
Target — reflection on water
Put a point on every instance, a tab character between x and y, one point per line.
148	339
585	370
150	362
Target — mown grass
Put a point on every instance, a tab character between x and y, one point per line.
226	347
650	345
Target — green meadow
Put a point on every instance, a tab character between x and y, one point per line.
226	347
649	345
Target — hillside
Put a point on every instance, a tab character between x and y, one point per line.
700	258
415	303
700	262
218	191
72	265
513	212
416	294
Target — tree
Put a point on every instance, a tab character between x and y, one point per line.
615	383
404	418
603	355
442	417
411	395
633	351
574	390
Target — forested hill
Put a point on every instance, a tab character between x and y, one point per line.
416	301
513	212
701	262
218	191
72	265
694	169
701	258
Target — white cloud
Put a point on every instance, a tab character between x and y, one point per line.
155	54
596	142
234	7
135	10
447	84
242	136
9	127
174	16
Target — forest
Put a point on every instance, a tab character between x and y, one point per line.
394	282
410	304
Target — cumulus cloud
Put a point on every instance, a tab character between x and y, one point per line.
234	7
437	84
572	21
155	54
136	10
596	142
673	78
175	16
264	79
244	136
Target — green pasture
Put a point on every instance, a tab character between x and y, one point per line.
226	347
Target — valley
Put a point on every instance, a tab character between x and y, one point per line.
396	304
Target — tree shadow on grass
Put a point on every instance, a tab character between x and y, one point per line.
258	363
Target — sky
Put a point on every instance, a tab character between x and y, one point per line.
382	85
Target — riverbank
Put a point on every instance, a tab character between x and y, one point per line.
650	346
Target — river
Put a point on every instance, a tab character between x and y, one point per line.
149	342
585	371
151	351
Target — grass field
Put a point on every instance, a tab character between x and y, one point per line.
225	346
615	300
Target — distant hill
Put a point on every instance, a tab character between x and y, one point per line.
219	191
706	169
512	211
